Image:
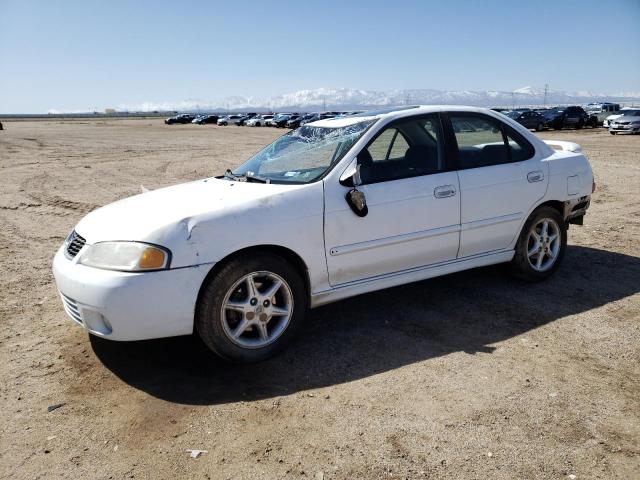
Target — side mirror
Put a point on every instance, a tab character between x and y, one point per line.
351	178
355	198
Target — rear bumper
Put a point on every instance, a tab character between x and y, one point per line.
129	306
576	209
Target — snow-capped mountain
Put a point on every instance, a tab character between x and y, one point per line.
353	99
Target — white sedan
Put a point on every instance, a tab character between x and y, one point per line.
333	209
627	111
259	121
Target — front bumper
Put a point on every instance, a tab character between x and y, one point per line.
624	128
129	306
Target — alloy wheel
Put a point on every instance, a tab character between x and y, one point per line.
543	244
257	309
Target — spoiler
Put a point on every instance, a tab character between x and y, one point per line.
565	146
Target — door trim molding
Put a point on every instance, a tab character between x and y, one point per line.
512	217
384	242
351	289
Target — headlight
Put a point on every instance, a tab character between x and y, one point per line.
126	256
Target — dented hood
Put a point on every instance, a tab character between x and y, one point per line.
159	215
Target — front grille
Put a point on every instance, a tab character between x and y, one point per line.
74	243
71	307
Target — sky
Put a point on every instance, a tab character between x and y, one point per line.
85	55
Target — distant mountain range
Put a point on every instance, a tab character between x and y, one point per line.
353	99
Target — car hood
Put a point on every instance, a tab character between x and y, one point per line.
152	216
627	118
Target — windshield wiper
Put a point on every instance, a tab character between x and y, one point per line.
230	175
247	177
254	178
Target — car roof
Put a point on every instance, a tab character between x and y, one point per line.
396	112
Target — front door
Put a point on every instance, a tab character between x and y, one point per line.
413	203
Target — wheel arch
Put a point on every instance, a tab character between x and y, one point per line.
286	253
557	205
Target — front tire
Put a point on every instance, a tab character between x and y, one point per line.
541	245
252	308
539	127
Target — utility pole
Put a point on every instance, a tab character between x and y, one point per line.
546	92
324	103
513	100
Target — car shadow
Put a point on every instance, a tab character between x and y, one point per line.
377	332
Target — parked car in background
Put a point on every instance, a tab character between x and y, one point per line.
627	123
205	119
243	119
227	119
259	120
601	110
338	208
527	118
181	119
294	121
561	117
309	117
314	117
268	122
625	111
280	120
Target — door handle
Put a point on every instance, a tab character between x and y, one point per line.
536	176
444	191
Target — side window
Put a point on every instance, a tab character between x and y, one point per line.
381	145
408	148
399	147
519	148
389	145
481	142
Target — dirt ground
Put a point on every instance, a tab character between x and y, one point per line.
472	376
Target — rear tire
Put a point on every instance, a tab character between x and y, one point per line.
238	316
541	245
539	127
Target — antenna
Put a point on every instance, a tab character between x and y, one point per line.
546	92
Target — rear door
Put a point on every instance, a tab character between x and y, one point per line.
501	177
